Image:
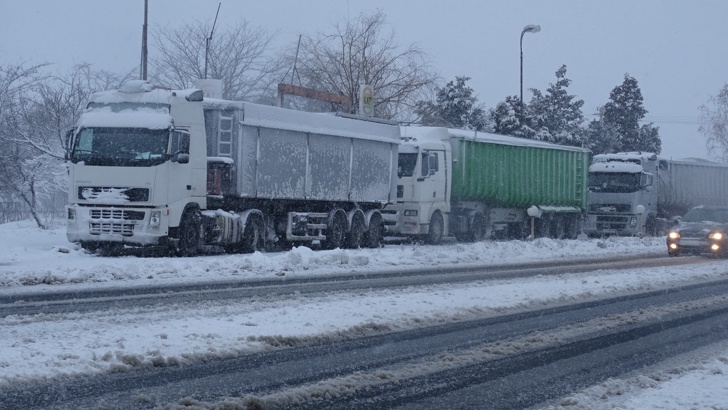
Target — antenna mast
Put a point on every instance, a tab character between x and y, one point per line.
208	39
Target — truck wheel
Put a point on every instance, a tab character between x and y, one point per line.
252	235
558	227
336	232
650	226
477	230
373	236
189	233
543	226
436	229
354	238
572	227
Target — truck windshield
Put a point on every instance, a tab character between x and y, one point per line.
614	182
135	147
407	164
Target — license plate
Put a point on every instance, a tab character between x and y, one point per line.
692	242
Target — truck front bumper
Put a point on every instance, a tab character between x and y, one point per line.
401	221
133	226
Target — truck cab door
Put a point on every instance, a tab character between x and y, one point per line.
433	178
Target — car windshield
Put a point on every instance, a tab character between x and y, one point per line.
614	181
121	146
706	214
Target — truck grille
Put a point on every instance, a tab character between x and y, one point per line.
111	228
609	208
605	222
120	214
128	194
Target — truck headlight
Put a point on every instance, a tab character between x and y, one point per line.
673	235
155	218
410	212
716	236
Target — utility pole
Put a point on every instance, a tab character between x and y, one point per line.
143	68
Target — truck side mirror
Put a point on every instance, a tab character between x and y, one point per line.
69	144
181	158
181	147
431	164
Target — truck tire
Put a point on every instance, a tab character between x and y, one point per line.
477	229
356	233
543	227
650	228
189	233
335	232
572	226
558	227
436	229
252	238
373	237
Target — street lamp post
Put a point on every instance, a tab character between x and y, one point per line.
531	28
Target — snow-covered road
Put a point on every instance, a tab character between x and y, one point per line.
62	344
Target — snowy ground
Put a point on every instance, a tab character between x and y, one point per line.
33	260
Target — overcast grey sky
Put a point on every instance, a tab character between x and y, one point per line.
675	49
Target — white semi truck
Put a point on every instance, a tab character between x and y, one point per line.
474	185
150	166
635	193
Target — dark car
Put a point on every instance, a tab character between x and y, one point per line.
702	230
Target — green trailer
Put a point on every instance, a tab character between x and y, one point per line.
473	185
511	175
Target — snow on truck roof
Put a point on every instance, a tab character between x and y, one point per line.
153	119
436	134
316	123
638	157
140	91
616	166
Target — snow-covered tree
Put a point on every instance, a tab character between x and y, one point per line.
557	116
238	56
510	117
358	52
622	116
455	107
36	112
714	124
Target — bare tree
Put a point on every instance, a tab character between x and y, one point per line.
714	124
360	52
237	56
34	119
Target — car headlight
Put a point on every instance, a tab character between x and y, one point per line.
673	235
716	236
